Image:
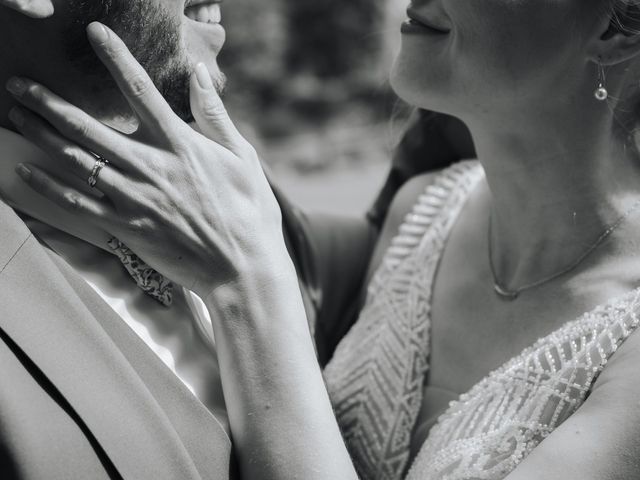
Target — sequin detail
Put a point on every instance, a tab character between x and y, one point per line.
150	281
376	377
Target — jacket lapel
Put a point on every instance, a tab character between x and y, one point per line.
201	433
13	234
61	334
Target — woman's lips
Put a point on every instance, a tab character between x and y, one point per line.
418	24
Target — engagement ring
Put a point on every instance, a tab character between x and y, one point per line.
95	173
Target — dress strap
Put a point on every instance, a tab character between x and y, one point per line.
376	376
445	194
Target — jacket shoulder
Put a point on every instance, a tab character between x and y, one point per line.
13	234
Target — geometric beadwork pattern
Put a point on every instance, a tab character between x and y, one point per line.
492	428
376	377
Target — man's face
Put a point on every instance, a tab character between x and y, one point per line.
167	37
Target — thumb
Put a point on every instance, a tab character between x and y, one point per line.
210	113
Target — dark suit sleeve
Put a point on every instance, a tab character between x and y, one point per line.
331	254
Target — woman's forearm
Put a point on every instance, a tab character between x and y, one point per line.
281	419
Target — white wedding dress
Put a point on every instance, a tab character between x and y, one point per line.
376	378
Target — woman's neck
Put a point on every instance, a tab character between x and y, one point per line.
556	187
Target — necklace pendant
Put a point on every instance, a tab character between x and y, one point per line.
504	293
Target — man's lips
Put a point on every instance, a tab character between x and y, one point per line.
203	11
203	25
192	3
417	19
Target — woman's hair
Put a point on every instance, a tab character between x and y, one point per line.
626	17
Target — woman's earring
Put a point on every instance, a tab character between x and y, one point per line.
601	93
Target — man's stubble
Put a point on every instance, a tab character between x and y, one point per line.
152	35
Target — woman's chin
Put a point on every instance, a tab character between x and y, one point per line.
411	87
415	93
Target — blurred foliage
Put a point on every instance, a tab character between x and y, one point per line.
301	64
333	38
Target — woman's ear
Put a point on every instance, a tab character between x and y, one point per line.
617	36
31	8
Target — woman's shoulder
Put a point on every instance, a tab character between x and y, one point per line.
406	199
408	196
401	205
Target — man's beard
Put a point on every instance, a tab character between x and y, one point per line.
153	37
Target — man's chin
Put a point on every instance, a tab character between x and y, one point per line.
203	39
218	77
156	38
220	82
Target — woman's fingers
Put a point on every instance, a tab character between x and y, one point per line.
73	123
67	197
132	79
69	157
210	113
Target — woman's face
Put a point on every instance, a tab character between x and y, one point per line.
491	55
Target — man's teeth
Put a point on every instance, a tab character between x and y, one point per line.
205	13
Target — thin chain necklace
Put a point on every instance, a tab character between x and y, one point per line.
512	294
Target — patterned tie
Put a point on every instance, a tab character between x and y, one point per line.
151	282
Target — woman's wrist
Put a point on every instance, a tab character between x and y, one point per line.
279	409
258	285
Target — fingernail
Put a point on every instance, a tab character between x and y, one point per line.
16	115
97	32
16	86
203	76
23	171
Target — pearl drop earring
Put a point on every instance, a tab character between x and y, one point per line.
601	93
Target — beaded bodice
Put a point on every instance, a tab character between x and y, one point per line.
376	377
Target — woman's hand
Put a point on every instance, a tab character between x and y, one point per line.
202	213
197	210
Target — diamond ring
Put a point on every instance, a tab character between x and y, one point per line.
95	173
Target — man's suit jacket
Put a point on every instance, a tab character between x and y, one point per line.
81	396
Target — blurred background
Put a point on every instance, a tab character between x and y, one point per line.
308	86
